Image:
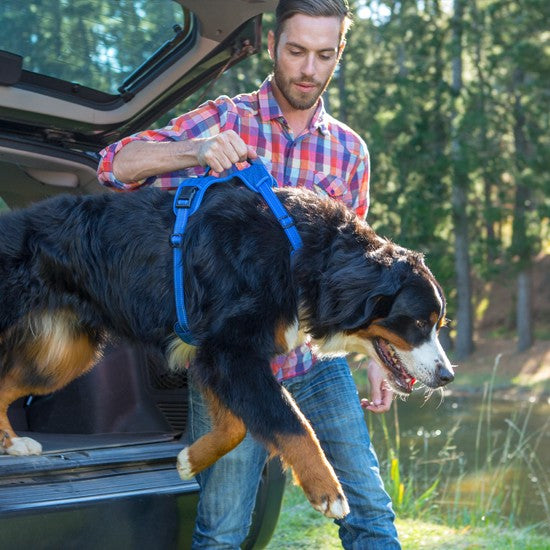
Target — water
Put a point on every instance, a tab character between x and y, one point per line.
492	455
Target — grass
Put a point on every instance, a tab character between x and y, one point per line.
300	527
496	490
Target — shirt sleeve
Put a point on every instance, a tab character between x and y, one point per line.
207	120
359	180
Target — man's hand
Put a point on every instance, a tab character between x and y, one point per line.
222	151
381	395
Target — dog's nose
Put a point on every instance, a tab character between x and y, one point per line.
444	375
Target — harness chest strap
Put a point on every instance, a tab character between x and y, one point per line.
187	200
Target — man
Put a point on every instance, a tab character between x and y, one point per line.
284	123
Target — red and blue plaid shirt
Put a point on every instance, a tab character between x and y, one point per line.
328	158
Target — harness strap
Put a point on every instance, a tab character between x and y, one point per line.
187	200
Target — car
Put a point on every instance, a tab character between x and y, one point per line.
74	77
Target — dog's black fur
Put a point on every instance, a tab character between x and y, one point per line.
101	266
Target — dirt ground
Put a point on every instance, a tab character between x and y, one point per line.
531	366
494	336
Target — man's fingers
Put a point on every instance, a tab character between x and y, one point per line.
376	395
387	396
223	150
239	147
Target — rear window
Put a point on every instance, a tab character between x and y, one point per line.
96	44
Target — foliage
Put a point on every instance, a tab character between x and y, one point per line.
96	44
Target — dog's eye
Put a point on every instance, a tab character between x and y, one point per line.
421	324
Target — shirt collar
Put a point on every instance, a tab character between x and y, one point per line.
269	108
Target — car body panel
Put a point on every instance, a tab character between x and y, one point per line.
107	478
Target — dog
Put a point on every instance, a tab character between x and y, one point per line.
77	270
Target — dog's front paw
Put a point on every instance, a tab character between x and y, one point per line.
325	494
335	507
185	470
24	446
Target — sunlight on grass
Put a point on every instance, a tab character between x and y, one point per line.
416	534
300	527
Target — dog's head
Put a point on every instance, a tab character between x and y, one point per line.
404	336
392	308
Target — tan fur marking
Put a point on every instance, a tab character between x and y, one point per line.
180	353
227	432
311	470
376	331
61	359
12	389
281	345
58	353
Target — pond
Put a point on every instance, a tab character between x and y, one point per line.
490	455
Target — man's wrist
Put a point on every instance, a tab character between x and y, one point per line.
186	153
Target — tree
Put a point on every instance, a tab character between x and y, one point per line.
464	339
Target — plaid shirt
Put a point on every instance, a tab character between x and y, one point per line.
328	158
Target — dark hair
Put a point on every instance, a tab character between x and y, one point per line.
314	8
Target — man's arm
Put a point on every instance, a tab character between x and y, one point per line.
138	160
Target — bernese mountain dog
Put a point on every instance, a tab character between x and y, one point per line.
77	270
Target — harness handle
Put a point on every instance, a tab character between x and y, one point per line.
233	170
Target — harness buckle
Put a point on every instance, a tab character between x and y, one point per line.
184	196
286	221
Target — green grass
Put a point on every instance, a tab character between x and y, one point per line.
301	527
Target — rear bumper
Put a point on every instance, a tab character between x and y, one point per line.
124	495
111	491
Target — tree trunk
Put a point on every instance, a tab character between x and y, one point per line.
524	325
342	91
459	198
521	246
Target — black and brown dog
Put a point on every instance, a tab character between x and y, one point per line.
76	270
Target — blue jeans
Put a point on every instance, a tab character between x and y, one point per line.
328	398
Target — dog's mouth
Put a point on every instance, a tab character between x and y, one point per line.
400	380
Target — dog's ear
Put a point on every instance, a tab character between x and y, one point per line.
374	307
354	296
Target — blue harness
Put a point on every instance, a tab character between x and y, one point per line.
186	201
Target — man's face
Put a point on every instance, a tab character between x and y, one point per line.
305	58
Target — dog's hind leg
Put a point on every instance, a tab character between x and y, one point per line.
12	388
310	468
246	394
38	356
227	432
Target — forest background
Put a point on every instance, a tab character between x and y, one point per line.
453	100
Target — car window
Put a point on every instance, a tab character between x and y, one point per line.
97	44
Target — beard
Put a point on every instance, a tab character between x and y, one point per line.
296	99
